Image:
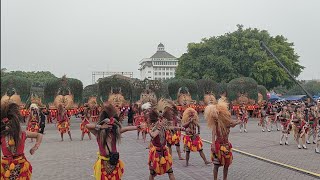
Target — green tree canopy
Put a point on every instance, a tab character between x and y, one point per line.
262	90
158	87
206	85
238	54
52	87
222	88
119	82
242	85
175	84
280	90
20	84
313	87
33	76
88	91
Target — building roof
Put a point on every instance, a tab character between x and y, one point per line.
162	54
160	45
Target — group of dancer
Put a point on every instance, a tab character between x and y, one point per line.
161	121
300	118
36	119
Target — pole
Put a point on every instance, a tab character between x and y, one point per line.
288	72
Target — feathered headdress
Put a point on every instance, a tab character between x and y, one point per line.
34	106
188	114
218	116
162	111
162	106
146	106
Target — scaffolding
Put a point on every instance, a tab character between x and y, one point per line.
102	74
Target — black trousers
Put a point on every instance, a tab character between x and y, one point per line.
41	129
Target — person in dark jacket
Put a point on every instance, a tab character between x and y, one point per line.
43	113
130	115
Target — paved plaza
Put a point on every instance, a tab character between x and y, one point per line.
74	160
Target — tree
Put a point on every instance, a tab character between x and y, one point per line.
205	86
175	84
242	85
52	88
280	90
238	54
21	86
35	77
115	82
88	91
3	72
313	87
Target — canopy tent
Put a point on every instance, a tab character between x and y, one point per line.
316	97
274	97
295	98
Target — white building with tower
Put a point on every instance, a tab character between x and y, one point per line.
162	65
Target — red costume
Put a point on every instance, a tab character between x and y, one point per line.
223	150
103	170
160	160
63	123
83	124
14	165
33	123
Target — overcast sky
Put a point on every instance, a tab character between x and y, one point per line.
76	37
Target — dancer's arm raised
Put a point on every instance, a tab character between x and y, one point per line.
130	128
93	128
234	123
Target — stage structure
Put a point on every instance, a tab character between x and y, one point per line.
101	74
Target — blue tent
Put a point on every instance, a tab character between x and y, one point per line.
274	97
295	98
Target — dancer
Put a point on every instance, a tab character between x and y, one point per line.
108	133
94	114
173	136
243	117
49	117
14	164
85	120
138	120
263	118
285	121
33	121
300	128
160	160
63	122
312	121
192	140
219	120
273	119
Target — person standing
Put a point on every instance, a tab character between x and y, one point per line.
130	115
43	114
84	122
219	120
108	132
300	128
285	120
312	121
192	140
63	122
